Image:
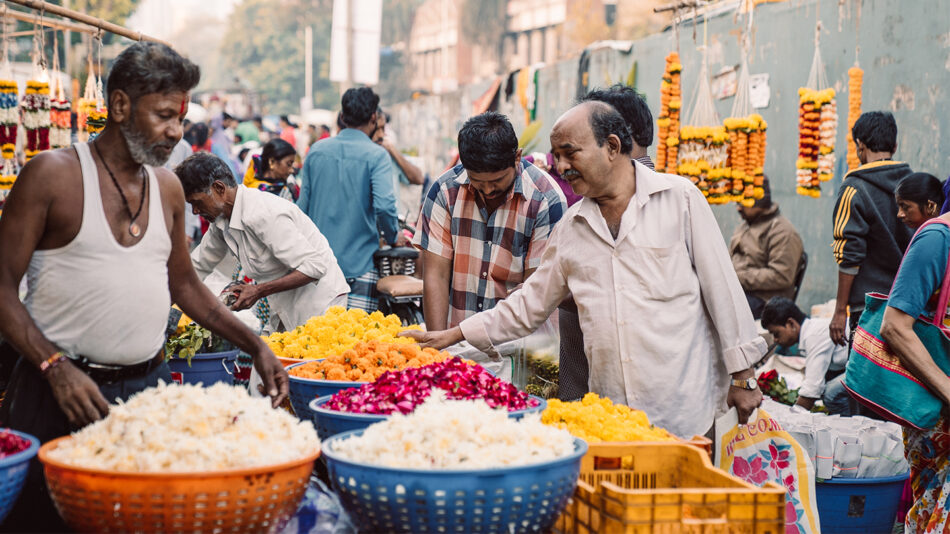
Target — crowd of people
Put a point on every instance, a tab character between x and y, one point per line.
655	309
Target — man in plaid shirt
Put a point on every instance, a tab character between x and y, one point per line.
484	224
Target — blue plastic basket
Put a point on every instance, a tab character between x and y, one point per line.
858	505
206	369
304	390
13	471
526	498
332	422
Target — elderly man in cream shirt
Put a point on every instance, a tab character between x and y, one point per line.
275	243
664	318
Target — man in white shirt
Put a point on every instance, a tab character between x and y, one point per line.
663	315
824	360
274	241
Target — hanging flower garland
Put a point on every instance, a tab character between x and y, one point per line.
827	132
703	153
817	127
747	140
9	120
60	109
668	122
855	81
36	117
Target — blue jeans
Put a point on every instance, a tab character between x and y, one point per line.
836	397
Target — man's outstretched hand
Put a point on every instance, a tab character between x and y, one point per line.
276	381
437	340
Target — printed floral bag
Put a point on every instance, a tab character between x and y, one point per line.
761	451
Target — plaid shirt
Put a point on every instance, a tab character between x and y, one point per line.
489	253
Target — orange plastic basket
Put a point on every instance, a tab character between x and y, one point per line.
670	488
260	499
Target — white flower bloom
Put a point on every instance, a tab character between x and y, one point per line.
173	428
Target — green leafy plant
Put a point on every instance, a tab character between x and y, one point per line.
194	339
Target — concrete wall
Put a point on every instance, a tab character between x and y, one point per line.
904	51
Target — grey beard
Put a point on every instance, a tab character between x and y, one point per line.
141	152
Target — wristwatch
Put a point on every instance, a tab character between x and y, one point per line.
746	383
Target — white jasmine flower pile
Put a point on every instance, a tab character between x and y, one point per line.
187	428
456	434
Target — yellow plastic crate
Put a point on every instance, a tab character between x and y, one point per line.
670	488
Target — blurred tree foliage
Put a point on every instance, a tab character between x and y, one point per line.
483	21
263	49
115	11
397	20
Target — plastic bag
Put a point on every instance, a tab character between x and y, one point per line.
761	451
320	512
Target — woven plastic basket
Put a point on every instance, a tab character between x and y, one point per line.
13	470
513	499
332	422
260	499
304	390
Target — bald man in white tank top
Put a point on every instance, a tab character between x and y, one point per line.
98	229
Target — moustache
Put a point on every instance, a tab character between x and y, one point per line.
570	173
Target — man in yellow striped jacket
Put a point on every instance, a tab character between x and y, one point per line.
869	241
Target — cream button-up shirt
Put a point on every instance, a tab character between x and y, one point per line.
664	318
271	237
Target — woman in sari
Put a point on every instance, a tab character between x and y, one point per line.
914	293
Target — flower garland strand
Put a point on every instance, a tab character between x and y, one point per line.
703	154
817	127
668	122
855	82
9	121
36	117
60	133
746	161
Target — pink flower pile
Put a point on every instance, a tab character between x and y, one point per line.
402	391
11	444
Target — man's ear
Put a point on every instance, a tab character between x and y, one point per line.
120	106
613	145
518	157
219	187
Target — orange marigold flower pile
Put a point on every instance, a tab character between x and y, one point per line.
368	360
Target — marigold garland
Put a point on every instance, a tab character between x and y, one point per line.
36	117
747	140
703	154
855	82
817	127
668	122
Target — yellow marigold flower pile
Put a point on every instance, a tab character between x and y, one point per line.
368	360
595	419
335	332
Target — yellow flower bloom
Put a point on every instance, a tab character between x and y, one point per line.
596	419
336	331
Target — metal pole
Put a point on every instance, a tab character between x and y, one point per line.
54	9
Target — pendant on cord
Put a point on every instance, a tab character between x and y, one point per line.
135	230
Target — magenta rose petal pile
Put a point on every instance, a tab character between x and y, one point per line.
402	391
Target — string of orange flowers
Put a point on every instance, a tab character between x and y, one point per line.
668	122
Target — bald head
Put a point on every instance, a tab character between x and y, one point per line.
601	119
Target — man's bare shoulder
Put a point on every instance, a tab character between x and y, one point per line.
53	166
169	184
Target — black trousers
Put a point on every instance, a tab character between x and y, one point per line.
572	366
29	406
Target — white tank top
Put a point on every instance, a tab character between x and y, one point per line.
96	298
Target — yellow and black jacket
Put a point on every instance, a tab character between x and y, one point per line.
869	241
